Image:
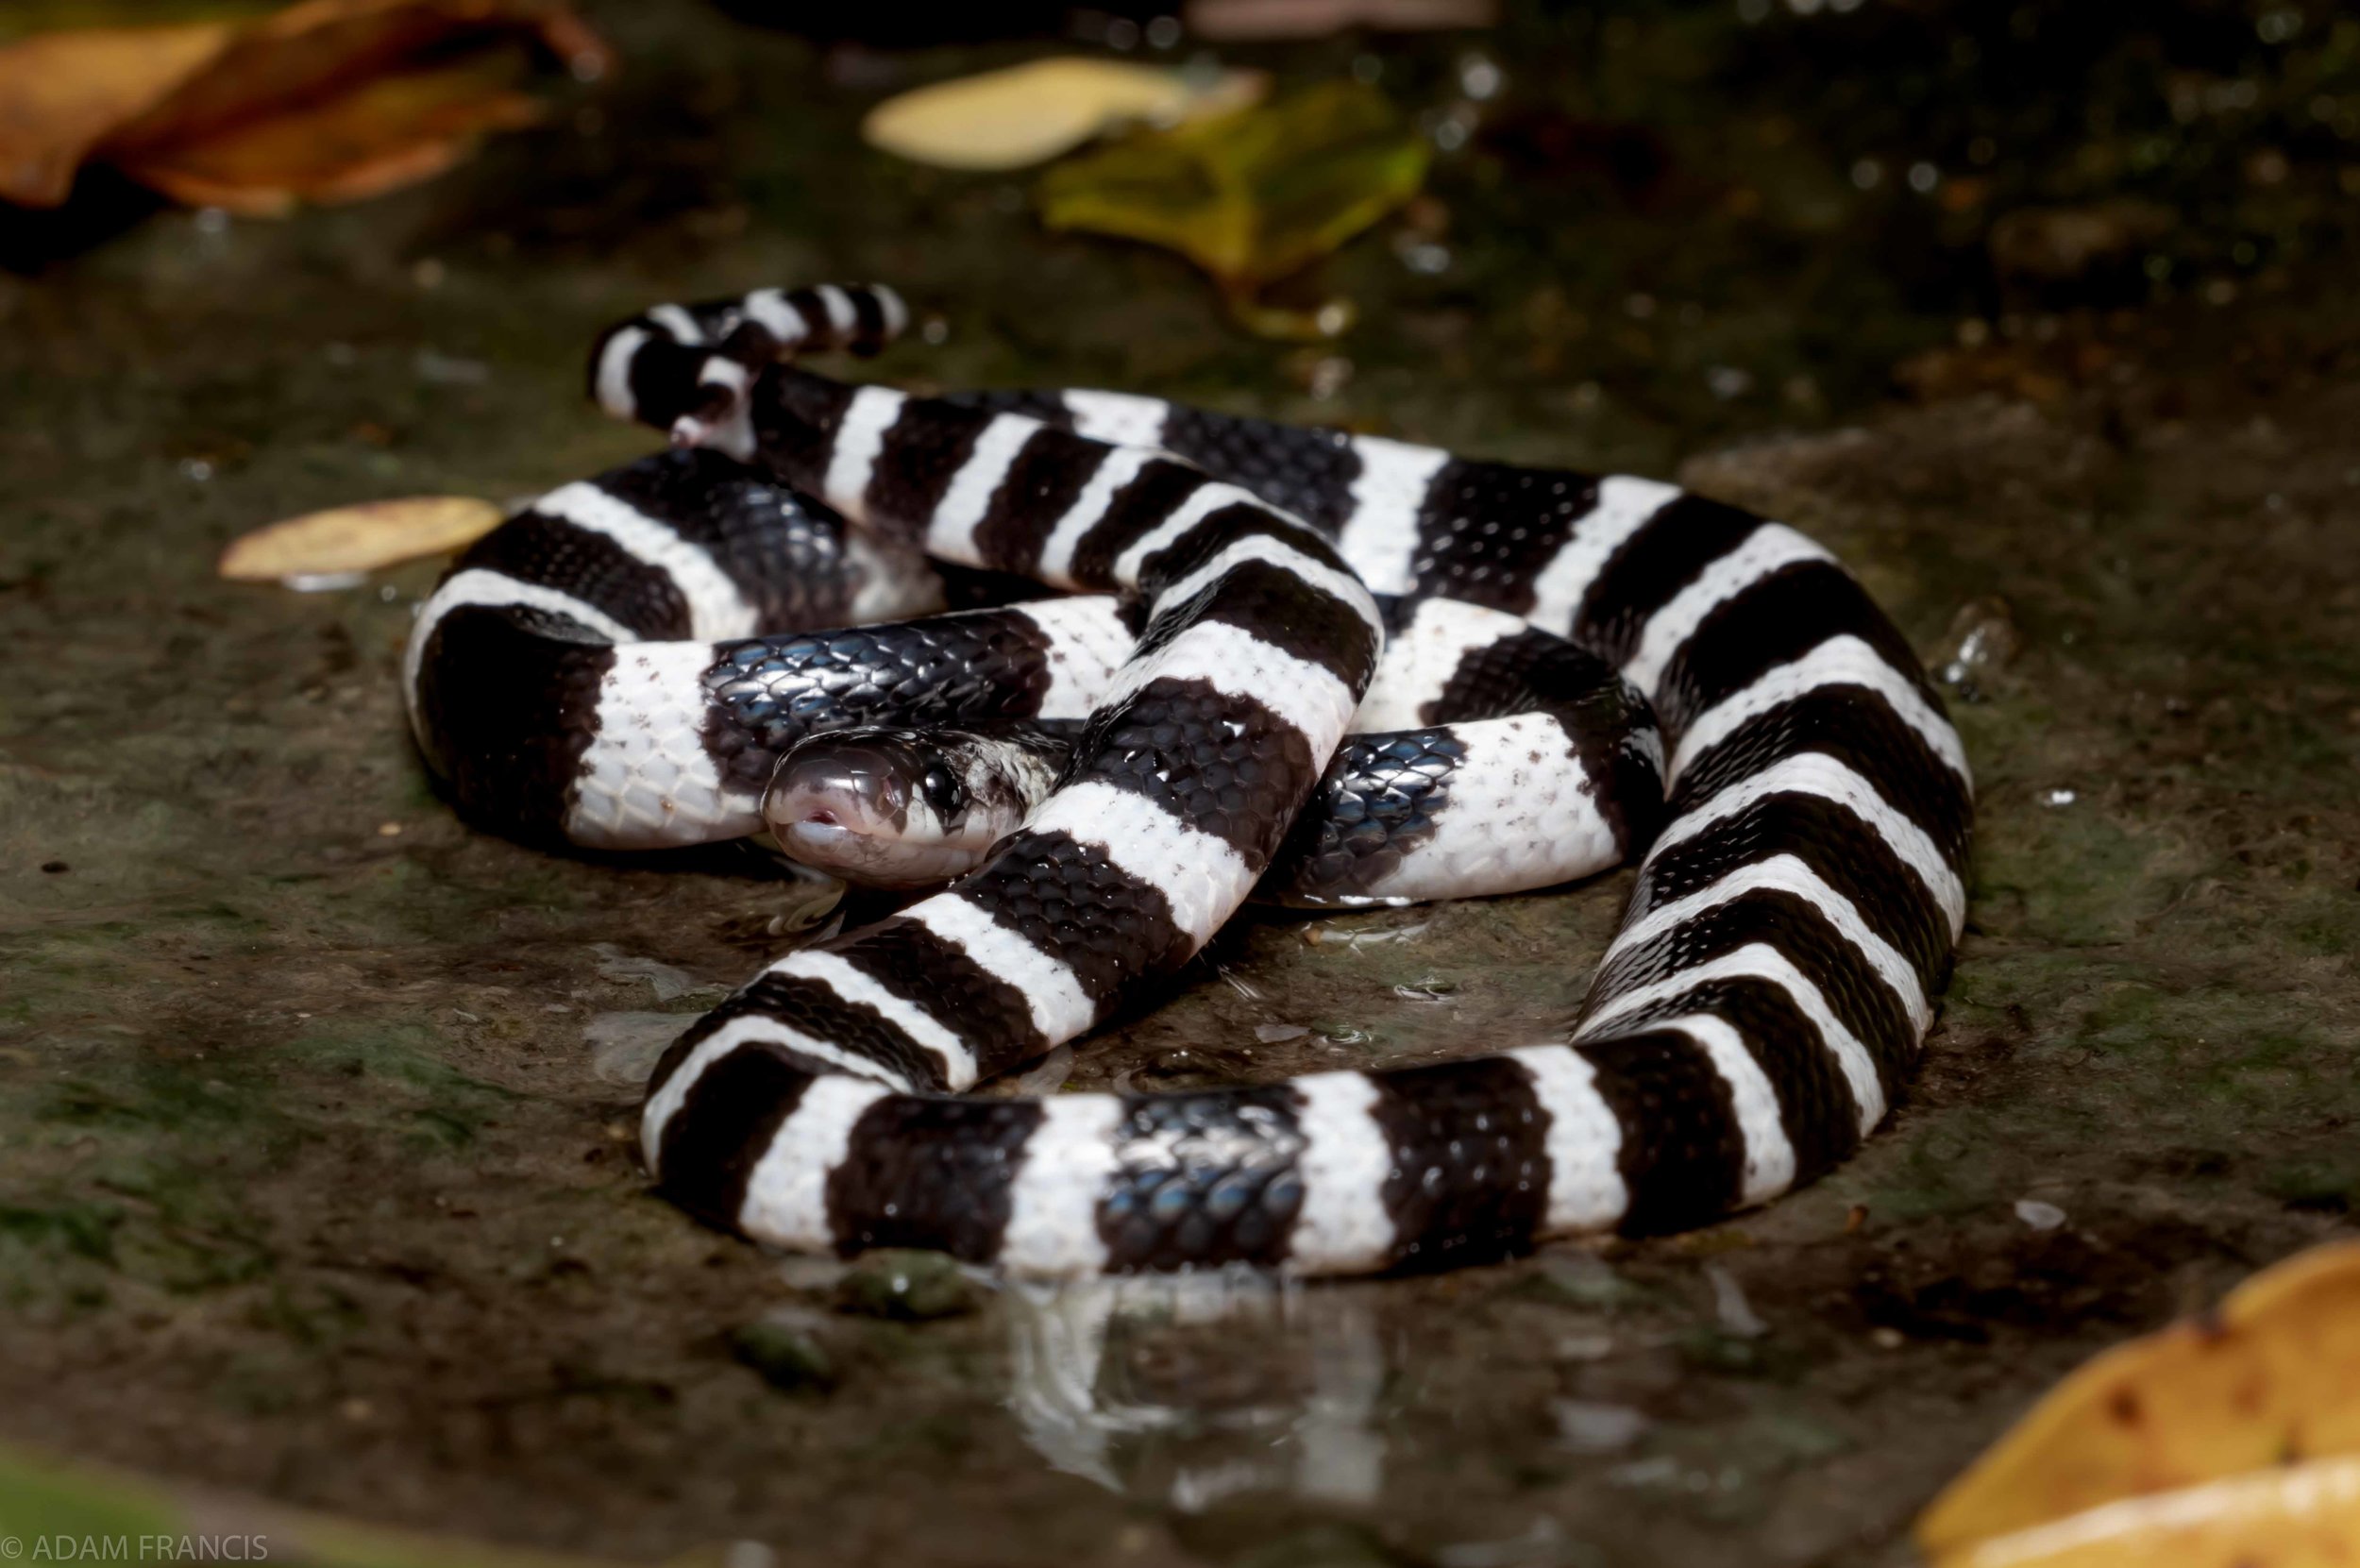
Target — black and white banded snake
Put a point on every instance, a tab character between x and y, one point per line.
620	665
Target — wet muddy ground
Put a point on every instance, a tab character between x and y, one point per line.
315	1180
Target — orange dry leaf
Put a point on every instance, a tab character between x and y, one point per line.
2294	1516
329	100
62	94
2271	1379
379	135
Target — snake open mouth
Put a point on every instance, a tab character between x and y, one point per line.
851	804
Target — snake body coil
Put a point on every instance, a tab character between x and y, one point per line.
612	666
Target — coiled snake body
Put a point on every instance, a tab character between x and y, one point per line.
617	667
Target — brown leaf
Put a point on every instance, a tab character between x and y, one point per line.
326	100
62	94
357	538
377	137
315	51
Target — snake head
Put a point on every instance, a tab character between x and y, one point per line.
894	808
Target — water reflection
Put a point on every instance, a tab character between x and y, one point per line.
1196	1389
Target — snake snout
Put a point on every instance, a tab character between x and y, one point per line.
843	804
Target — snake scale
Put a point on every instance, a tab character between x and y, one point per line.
1340	668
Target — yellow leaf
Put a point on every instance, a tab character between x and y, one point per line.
2298	1516
1031	113
1252	197
2271	1378
357	538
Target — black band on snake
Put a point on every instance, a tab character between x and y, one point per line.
627	663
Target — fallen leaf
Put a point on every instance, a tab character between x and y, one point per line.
316	50
2271	1378
357	538
381	135
1250	196
62	94
326	100
1031	113
1264	19
2293	1516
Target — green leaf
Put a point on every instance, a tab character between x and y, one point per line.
1252	197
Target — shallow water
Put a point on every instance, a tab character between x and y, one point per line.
315	1174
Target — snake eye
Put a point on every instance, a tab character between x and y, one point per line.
943	792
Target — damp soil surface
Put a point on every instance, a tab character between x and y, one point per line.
316	1179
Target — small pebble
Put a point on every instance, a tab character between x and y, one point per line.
1725	381
1983	640
1585	1280
1662	1470
1591	1428
450	370
1735	1314
908	1286
1885	1339
667	981
624	1047
1424	257
2038	1215
787	1356
1329	375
